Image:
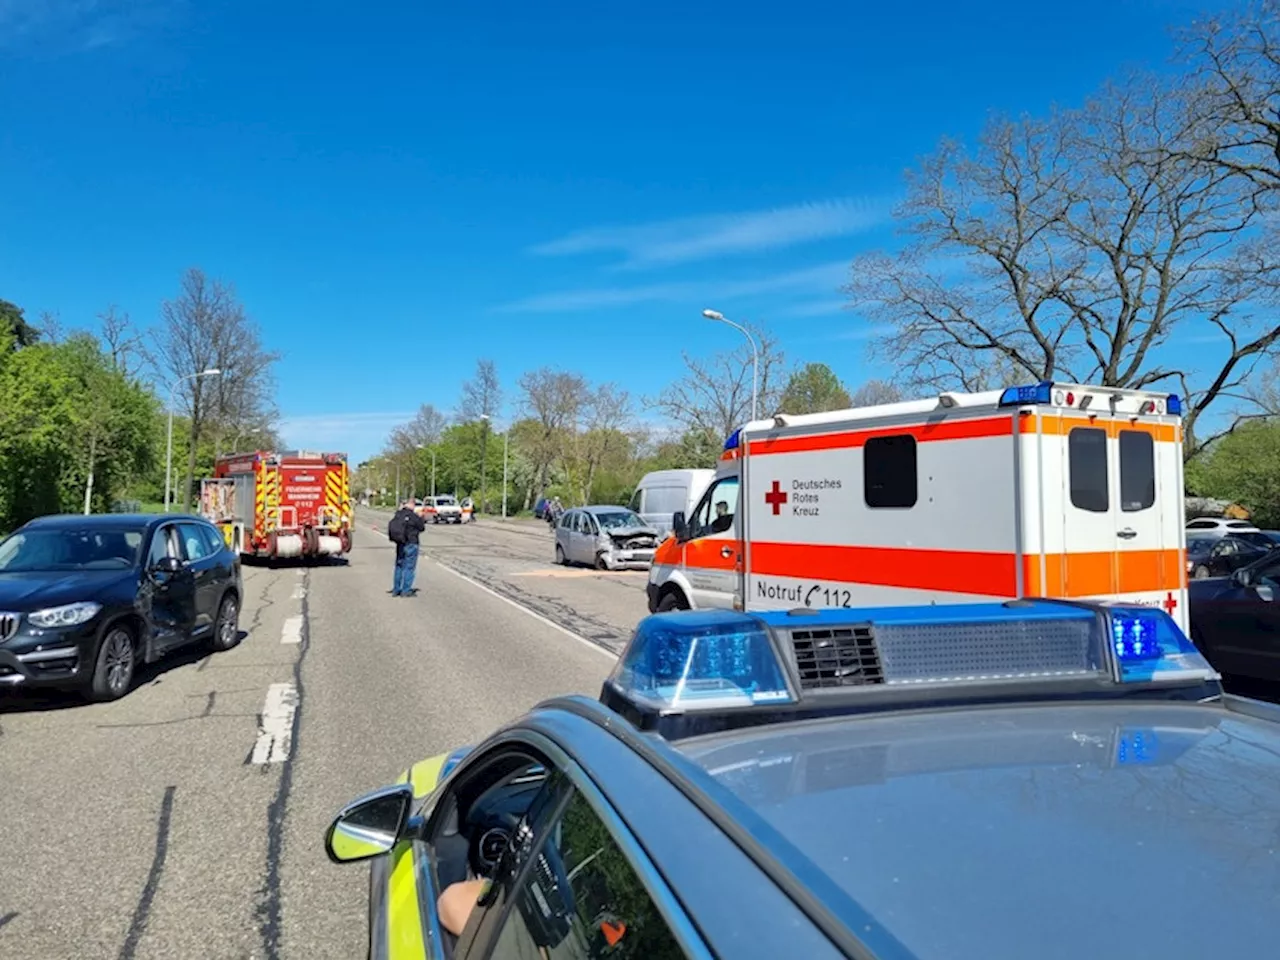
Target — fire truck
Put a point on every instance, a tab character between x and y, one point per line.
1045	490
286	504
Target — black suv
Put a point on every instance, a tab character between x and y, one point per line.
85	599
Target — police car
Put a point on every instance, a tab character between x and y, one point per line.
993	781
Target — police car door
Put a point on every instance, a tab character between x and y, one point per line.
712	554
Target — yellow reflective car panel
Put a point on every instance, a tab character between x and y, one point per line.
424	776
404	919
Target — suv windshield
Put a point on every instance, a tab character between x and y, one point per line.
33	551
618	520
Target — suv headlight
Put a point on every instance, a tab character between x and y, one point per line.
66	616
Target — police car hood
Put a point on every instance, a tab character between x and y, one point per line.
1049	832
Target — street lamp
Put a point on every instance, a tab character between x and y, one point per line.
168	457
755	356
484	459
506	436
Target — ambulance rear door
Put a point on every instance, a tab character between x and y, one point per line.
1117	484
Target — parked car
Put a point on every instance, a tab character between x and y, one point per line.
441	509
1273	536
607	538
85	599
663	493
1209	555
1235	621
1221	527
541	507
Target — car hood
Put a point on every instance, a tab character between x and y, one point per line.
22	592
631	532
1207	588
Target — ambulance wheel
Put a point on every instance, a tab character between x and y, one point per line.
672	601
1202	572
560	557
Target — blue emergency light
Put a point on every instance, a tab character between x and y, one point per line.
1030	393
731	443
720	662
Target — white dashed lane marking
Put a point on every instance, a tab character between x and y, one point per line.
275	729
292	632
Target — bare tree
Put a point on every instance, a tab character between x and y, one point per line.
482	394
715	393
203	328
1235	120
122	342
1076	247
554	399
50	327
426	426
606	414
875	392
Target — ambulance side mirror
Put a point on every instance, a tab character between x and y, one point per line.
679	526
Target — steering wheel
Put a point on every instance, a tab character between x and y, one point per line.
488	841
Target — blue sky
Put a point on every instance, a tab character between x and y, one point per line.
398	189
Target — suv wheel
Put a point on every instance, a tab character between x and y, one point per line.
113	668
226	629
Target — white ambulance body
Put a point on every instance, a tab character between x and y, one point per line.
1049	490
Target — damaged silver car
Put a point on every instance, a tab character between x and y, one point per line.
607	538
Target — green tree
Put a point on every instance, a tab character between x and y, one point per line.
67	413
814	388
1243	467
20	333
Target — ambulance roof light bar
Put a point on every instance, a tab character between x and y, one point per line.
698	671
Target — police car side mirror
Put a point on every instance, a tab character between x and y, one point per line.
371	826
1241	578
679	526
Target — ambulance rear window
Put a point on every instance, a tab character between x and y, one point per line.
1087	455
1137	471
889	471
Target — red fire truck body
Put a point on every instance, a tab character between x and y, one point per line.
281	504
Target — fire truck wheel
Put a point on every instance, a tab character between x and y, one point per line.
226	630
673	600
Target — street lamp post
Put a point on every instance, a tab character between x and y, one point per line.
484	459
506	436
168	457
755	357
433	471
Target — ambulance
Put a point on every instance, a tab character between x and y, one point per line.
1047	490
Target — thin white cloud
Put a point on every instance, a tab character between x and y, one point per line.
827	276
700	238
78	25
866	332
816	308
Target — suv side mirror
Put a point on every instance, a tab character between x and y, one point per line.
371	826
167	565
679	526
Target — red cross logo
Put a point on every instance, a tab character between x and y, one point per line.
1169	604
776	498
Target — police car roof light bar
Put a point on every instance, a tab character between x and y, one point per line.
712	666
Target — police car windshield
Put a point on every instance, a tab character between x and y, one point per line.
1018	832
445	501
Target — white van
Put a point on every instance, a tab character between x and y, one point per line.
663	493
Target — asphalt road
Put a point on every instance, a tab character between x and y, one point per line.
187	819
